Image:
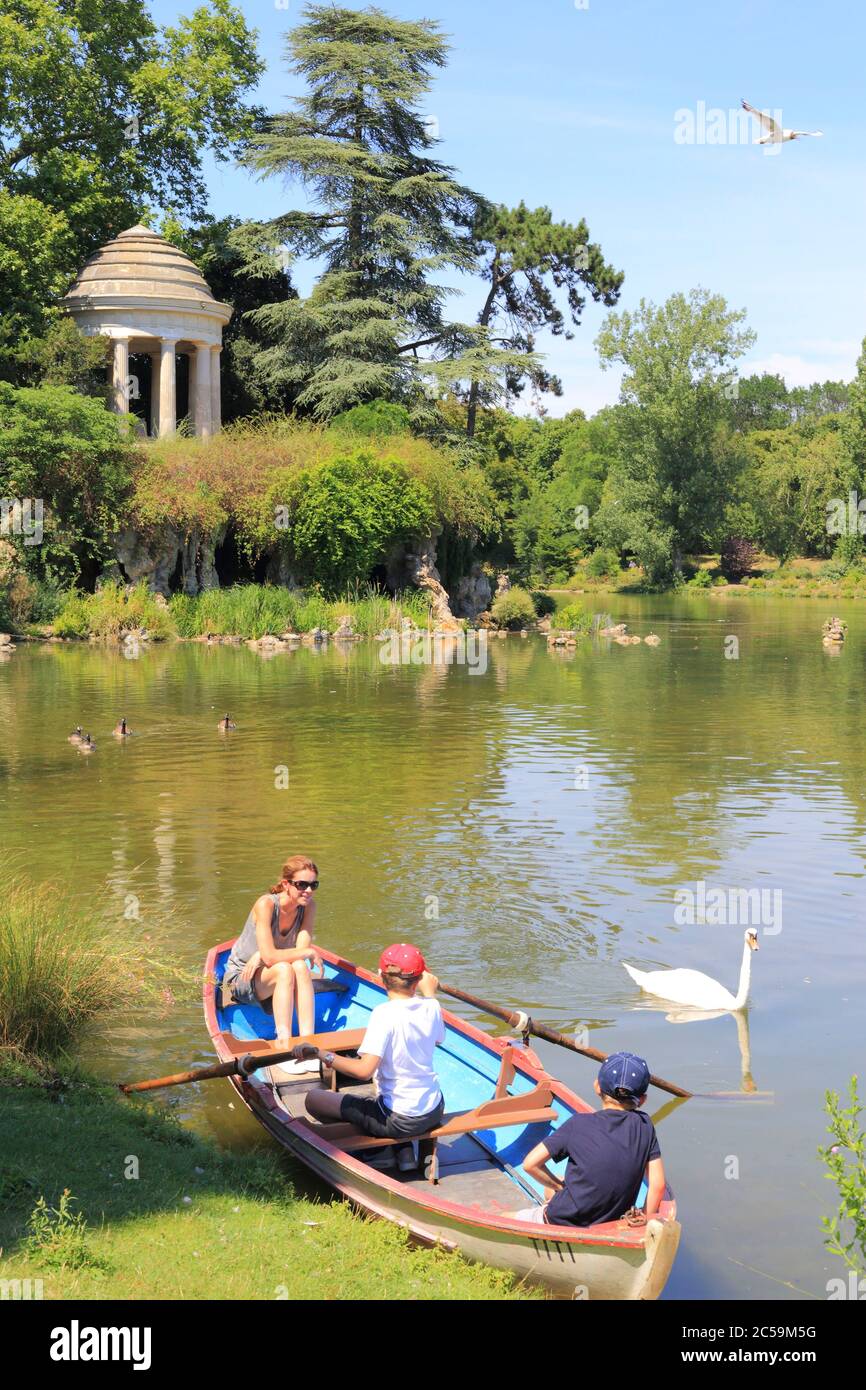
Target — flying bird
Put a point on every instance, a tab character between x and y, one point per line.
774	134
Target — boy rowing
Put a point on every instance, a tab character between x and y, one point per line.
397	1048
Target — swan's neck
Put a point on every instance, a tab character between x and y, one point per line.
745	973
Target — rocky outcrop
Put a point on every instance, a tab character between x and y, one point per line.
472	594
344	632
422	572
154	557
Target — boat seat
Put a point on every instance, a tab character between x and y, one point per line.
347	1040
533	1107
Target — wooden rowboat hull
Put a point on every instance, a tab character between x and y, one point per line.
613	1261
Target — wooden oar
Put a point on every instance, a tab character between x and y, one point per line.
525	1024
239	1066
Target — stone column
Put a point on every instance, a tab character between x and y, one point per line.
215	399
167	388
200	364
154	394
119	375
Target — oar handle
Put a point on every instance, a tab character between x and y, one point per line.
540	1030
244	1065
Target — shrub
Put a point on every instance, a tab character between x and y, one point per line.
60	971
545	604
833	570
112	610
737	557
514	608
702	580
70	451
720	582
348	513
573	618
845	1157
58	1236
375	418
848	550
602	563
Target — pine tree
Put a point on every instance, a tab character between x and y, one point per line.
385	215
527	258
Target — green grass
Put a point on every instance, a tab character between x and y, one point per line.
256	610
62	970
112	610
197	1222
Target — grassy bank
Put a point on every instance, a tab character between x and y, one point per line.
63	970
797	578
195	1223
246	610
255	610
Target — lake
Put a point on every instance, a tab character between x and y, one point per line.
529	825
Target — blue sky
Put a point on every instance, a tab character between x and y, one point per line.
573	105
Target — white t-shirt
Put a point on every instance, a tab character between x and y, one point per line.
404	1032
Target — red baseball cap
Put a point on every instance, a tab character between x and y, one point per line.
402	960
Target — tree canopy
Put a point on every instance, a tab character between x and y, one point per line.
104	116
667	491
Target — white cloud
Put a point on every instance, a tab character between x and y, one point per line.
803	371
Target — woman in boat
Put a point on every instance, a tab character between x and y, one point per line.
268	962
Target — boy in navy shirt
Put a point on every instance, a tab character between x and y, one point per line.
609	1151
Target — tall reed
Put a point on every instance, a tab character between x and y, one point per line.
62	971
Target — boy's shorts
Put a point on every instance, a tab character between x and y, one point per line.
537	1215
374	1117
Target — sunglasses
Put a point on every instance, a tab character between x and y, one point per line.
302	884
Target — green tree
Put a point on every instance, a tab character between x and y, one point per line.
103	114
526	259
348	513
72	454
675	465
854	422
211	245
761	403
386	218
790	478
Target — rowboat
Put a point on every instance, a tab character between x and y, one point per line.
500	1102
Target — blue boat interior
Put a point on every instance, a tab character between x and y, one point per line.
467	1071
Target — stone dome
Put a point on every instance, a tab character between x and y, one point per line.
148	298
139	262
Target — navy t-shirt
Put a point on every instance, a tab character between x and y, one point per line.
607	1154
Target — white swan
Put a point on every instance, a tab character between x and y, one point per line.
774	133
694	987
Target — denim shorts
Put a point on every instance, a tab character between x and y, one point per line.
374	1117
244	992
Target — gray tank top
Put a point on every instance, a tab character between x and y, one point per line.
247	945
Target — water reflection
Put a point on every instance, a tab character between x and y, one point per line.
527	828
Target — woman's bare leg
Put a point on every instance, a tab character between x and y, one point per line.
278	982
306	999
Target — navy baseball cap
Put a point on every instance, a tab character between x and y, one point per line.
623	1071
